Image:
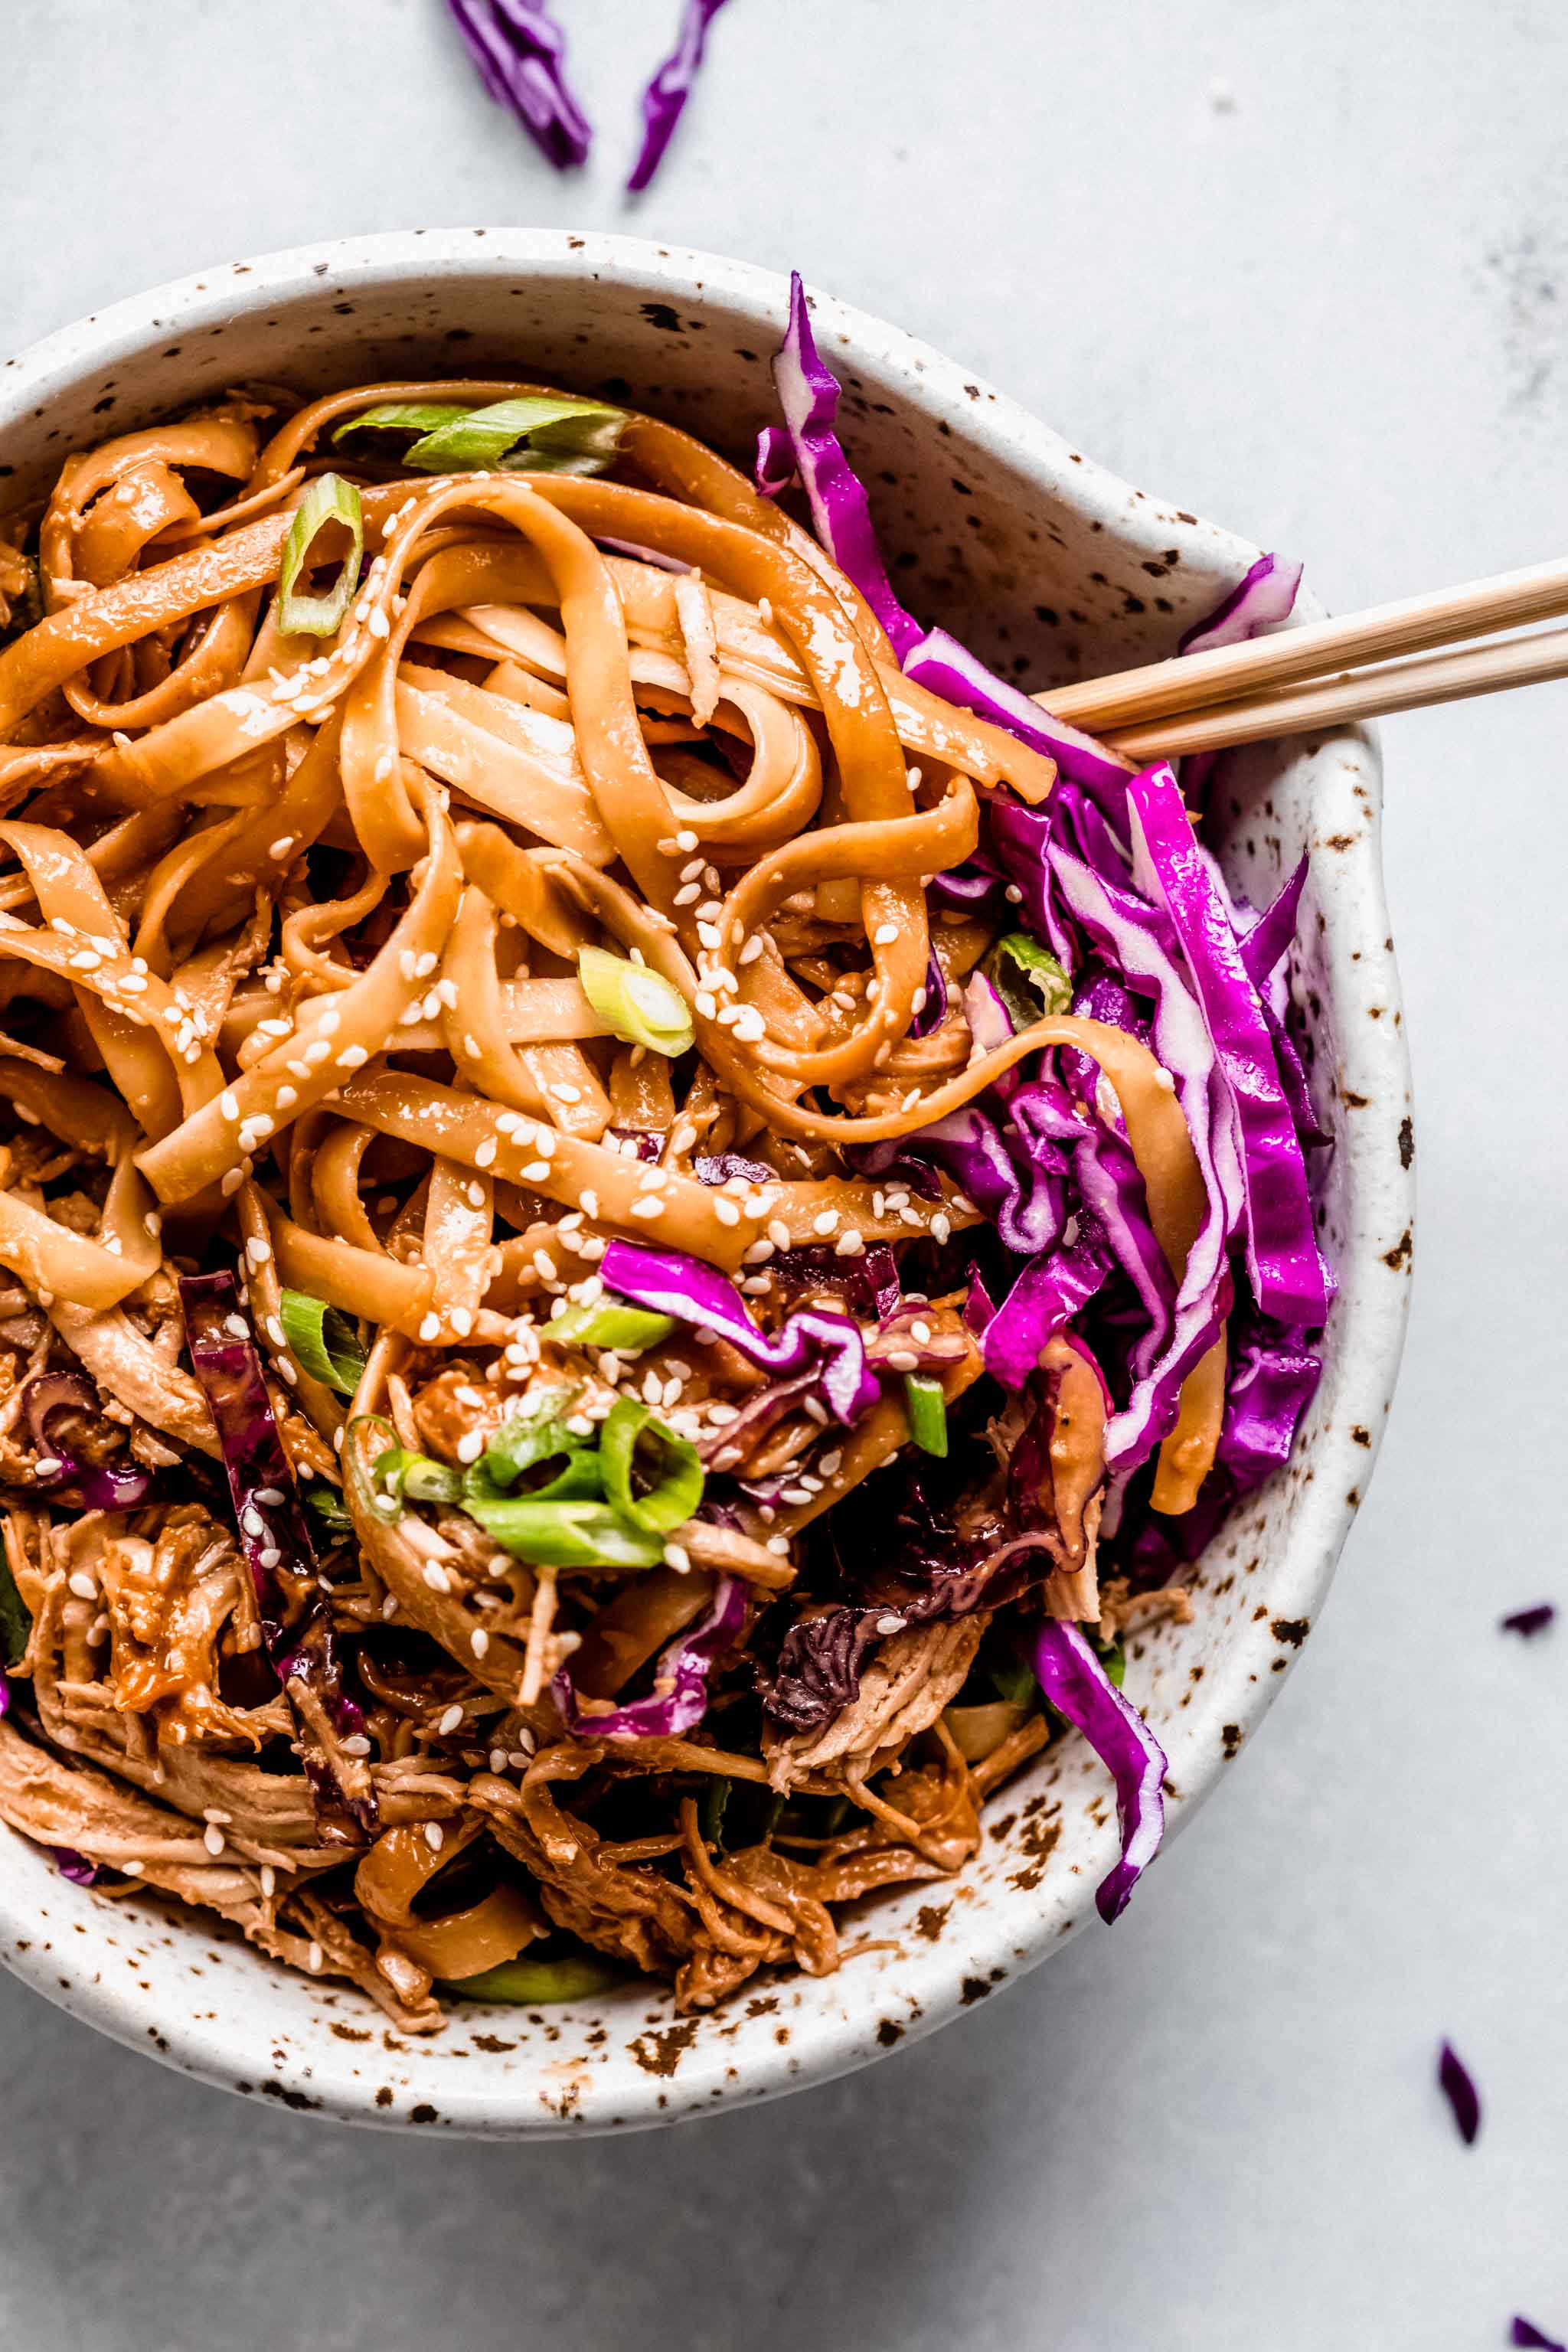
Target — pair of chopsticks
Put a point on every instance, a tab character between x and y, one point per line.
1326	673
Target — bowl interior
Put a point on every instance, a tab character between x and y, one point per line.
1053	569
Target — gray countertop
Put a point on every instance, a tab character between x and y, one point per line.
1301	269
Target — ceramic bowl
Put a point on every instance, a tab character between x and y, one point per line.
1055	570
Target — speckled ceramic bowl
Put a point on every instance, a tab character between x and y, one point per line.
1055	569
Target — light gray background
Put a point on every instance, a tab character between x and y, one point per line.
1300	267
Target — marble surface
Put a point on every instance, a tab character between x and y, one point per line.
1300	268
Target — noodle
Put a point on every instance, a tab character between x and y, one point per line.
298	938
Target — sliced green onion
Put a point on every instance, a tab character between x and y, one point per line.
641	1007
671	1502
415	1478
607	1324
402	416
530	1438
330	504
15	1618
557	436
332	1510
927	1409
1015	954
565	1534
572	1978
324	1340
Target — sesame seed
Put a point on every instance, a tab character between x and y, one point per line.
850	1243
825	1222
269	1880
316	1960
727	1211
479	1641
650	1205
686	838
890	1625
213	1837
885	935
430	1327
903	1359
779	1545
942	1227
461	1319
450	1718
436	1578
229	1103
470	1446
920	1330
80	1582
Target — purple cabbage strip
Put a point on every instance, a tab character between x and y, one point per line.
720	1166
1138	942
663	100
978	1309
818	1670
1266	596
640	554
1075	1683
1266	945
1457	2086
679	1699
520	53
649	1146
273	1529
1529	1622
933	1012
669	1283
98	1486
1282	1258
1524	2332
1049	1292
808	396
869	1284
74	1866
773	470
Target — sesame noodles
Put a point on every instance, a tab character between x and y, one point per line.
485	1056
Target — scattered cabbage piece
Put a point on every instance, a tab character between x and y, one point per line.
1457	2086
521	52
663	100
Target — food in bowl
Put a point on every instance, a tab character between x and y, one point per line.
644	1209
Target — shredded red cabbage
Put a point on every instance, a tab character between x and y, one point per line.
1457	2086
75	1866
830	1346
1530	1622
521	52
722	1165
808	396
773	469
665	97
1075	1681
1261	600
1285	1270
117	1486
641	554
1052	1289
679	1699
275	1538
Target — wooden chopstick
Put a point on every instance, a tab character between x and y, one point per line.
1242	677
1378	692
1328	673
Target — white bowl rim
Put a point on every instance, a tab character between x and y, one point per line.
1375	1065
